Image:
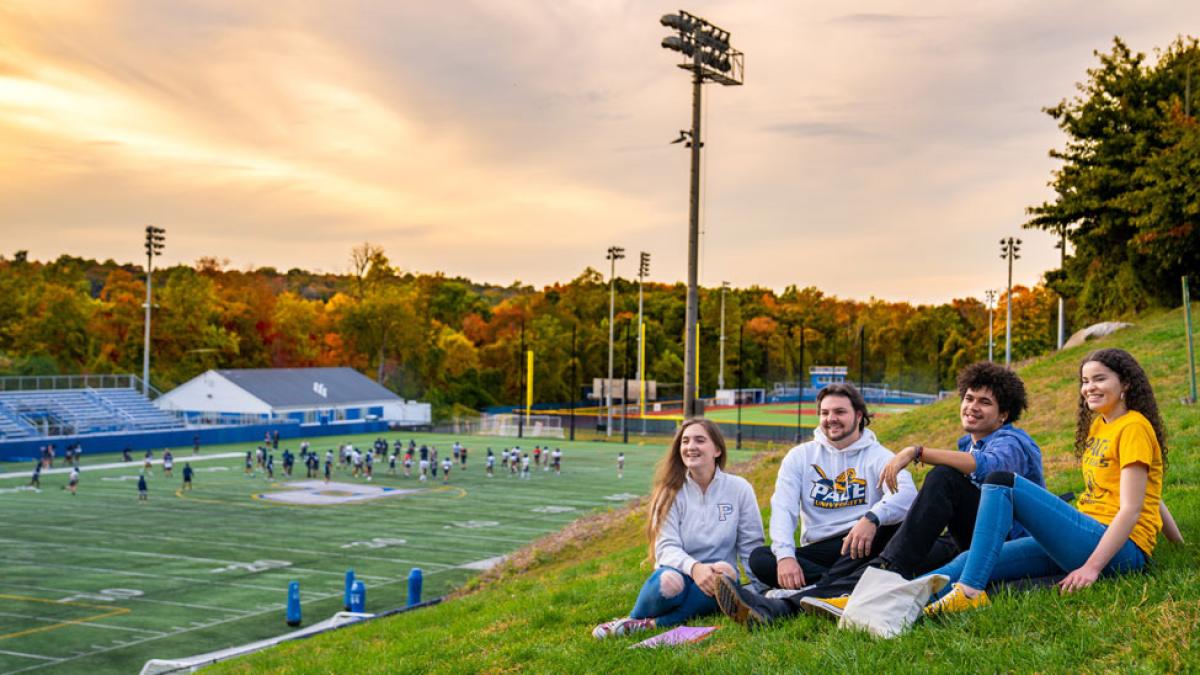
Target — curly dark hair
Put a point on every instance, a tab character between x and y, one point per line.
1139	396
1004	384
851	392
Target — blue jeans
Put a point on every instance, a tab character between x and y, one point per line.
690	602
1061	538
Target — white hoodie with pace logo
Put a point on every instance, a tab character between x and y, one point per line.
828	490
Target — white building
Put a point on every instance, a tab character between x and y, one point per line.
306	395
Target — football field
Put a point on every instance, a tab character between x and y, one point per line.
100	582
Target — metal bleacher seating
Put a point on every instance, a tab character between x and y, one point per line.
56	412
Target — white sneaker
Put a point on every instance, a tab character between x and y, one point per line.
622	626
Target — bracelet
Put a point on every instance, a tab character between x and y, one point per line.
917	457
872	518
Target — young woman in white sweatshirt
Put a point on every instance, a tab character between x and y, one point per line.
701	522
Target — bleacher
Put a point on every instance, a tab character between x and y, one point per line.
30	413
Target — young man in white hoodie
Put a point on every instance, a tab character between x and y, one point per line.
830	486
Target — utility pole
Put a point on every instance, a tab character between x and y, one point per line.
155	241
1008	250
721	367
615	253
800	390
712	59
741	334
574	377
521	367
625	387
1062	266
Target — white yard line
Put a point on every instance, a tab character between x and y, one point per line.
189	630
185	558
30	656
424	564
135	464
48	619
135	598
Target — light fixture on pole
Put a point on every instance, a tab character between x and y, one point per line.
155	241
615	253
643	270
709	57
990	296
1008	251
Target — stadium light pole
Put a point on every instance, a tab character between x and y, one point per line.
1008	251
991	304
741	336
709	58
155	241
721	367
574	376
615	253
643	270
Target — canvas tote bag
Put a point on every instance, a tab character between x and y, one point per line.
885	604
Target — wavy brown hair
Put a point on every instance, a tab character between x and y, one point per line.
1139	396
671	474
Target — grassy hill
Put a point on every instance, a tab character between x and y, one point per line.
535	614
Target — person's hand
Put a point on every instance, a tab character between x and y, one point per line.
894	467
722	567
858	540
789	574
705	576
1079	579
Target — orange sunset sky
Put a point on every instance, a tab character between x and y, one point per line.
877	148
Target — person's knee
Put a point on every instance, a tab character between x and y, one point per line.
670	584
1004	478
762	557
940	476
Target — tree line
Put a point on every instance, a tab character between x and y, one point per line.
457	343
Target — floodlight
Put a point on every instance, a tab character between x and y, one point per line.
678	22
678	44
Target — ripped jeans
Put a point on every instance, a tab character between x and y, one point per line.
671	600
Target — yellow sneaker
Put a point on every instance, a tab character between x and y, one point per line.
832	607
956	601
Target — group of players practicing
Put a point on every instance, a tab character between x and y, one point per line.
347	458
517	462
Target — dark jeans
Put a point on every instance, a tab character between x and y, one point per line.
948	501
816	559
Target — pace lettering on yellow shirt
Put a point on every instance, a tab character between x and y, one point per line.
1112	446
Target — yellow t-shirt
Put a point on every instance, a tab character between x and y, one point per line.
1111	446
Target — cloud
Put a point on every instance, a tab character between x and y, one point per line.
822	130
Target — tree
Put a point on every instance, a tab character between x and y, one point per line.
1126	195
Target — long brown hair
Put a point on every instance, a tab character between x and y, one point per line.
1139	396
671	474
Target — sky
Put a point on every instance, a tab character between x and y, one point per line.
876	149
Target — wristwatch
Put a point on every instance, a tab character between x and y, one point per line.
870	515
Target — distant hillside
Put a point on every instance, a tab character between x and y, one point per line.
536	615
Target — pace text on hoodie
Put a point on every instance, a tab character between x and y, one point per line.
723	523
828	490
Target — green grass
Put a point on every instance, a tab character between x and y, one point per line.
536	616
161	555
